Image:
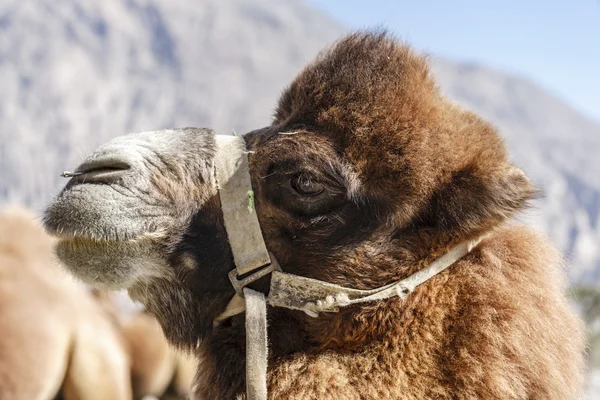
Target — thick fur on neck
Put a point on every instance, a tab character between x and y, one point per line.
492	326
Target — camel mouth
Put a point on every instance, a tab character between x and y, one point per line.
75	237
106	263
97	209
77	234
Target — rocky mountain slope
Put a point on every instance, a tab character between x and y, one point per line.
75	73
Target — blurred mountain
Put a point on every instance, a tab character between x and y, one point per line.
76	73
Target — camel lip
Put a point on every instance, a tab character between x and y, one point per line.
66	234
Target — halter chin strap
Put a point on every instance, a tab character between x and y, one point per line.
287	290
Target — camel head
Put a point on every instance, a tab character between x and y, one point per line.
365	172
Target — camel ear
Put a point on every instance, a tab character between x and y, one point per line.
476	200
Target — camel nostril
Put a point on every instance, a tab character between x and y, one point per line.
100	170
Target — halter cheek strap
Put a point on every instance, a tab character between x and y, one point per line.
287	290
250	256
237	202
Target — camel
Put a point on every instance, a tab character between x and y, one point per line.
58	336
53	335
366	176
157	368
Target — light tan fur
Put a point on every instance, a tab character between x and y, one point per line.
156	366
51	329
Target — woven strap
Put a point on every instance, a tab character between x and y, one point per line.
313	296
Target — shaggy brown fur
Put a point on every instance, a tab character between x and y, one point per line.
365	176
424	175
52	332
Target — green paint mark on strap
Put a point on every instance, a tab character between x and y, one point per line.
250	201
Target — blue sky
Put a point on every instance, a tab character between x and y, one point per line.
556	43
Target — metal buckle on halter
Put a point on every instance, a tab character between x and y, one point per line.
240	284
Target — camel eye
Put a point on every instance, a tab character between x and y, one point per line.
305	185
